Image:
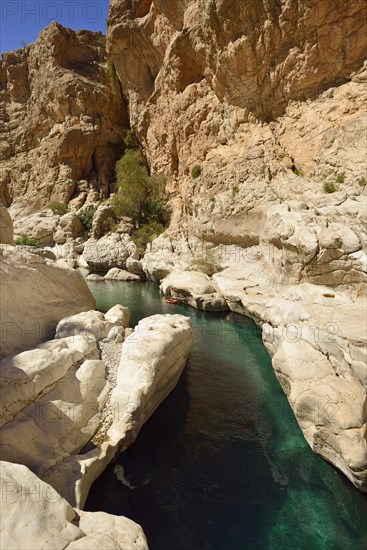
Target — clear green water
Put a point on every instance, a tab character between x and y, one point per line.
222	464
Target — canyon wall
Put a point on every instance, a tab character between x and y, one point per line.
62	120
268	100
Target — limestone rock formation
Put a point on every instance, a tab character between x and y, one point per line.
116	274
35	294
269	101
6	227
134	266
35	516
103	218
152	360
317	338
69	391
111	251
197	72
62	119
195	289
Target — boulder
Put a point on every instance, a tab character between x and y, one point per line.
35	516
90	324
40	226
6	227
71	225
43	252
102	220
26	375
195	289
339	238
116	274
152	360
109	252
35	294
135	266
119	315
59	423
94	277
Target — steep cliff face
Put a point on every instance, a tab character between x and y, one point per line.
196	71
62	118
269	98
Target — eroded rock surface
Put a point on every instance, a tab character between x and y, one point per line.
109	252
6	227
35	294
35	516
72	391
62	120
195	289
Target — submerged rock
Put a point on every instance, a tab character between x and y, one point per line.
94	277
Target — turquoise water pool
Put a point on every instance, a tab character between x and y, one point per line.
222	464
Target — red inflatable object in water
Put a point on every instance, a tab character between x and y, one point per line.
171	301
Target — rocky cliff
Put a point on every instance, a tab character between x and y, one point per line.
196	72
268	99
62	119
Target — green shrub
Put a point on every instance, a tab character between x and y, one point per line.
235	190
102	39
362	182
59	208
27	167
340	178
112	76
24	240
108	225
296	171
86	216
146	234
329	187
196	171
130	141
208	263
211	198
139	195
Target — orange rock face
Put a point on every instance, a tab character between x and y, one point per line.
62	119
195	70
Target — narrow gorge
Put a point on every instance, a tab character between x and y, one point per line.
164	188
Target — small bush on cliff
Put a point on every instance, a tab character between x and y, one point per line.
27	167
24	240
86	216
108	226
112	76
196	171
340	178
130	141
146	234
235	190
207	263
59	208
362	182
329	187
139	195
